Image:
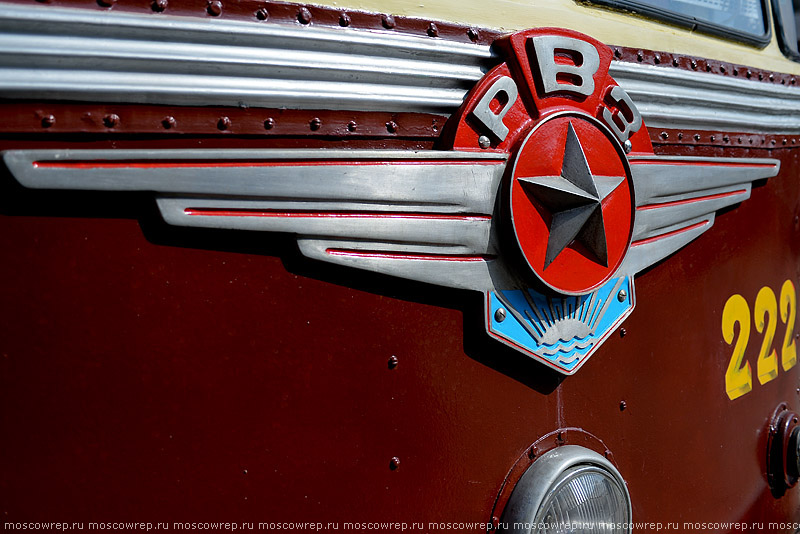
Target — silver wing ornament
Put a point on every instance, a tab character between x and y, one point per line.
445	217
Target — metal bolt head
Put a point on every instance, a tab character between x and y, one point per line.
473	34
214	8
433	30
169	122
484	142
394	463
159	5
622	405
304	16
351	126
48	121
111	120
622	332
344	20
262	14
391	127
622	295
627	146
315	124
500	315
269	123
387	21
393	361
224	123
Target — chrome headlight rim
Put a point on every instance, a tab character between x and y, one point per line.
548	471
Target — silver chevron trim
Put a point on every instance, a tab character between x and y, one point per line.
397	212
81	54
671	212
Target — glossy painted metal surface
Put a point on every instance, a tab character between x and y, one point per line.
175	374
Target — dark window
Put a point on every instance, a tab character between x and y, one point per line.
742	20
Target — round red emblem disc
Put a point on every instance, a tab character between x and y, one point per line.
572	203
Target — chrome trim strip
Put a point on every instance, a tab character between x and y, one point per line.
675	98
80	54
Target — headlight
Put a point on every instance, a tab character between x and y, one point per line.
569	490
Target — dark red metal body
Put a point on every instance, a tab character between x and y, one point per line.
149	373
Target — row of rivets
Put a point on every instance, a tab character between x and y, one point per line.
709	67
304	16
223	123
727	139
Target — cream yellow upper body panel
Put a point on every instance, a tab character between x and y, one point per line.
611	27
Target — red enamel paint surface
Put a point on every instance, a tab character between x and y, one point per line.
574	270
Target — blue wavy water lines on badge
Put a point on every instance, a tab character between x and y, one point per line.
563	331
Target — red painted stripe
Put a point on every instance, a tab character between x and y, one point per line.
191	164
215	212
404	256
668	234
691	200
701	163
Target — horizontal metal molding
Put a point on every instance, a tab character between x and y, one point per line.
77	54
680	99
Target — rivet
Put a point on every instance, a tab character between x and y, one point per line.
393	361
344	20
622	332
783	81
224	123
713	138
796	220
111	120
351	126
473	34
48	121
751	140
639	56
657	59
159	5
722	69
749	73
622	295
760	76
106	3
269	123
433	30
726	138
792	81
708	67
740	140
533	452
784	141
627	146
696	137
617	53
391	127
394	463
262	14
794	141
675	62
315	124
500	315
387	21
622	405
735	71
772	77
484	142
169	122
608	454
304	15
560	436
214	8
664	135
680	135
694	64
